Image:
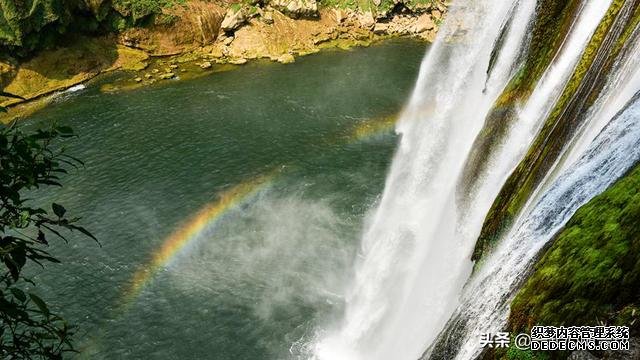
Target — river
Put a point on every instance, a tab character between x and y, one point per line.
229	208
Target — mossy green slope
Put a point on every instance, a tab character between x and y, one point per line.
591	272
587	81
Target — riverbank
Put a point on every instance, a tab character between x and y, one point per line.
205	37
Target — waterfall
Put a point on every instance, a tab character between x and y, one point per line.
415	248
486	298
409	291
600	152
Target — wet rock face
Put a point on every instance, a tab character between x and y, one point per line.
584	86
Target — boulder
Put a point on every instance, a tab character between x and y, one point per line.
238	61
380	28
233	19
296	8
367	20
286	59
340	15
267	17
424	23
206	65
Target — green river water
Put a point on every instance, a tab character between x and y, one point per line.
267	269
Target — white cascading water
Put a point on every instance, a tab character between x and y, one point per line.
601	151
416	246
488	295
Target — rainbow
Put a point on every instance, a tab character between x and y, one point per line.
372	128
190	230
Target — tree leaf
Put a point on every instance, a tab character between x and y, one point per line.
39	303
19	294
58	209
41	238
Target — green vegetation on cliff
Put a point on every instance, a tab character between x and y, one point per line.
381	8
30	25
591	272
588	275
552	22
584	86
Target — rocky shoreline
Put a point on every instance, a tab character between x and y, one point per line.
205	37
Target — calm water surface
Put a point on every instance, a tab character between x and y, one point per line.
228	207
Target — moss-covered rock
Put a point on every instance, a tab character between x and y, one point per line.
552	21
587	81
591	272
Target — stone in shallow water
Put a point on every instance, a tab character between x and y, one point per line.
286	59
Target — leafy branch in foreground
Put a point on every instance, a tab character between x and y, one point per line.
28	329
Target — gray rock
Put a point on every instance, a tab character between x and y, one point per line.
632	354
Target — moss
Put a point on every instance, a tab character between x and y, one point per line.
552	22
591	272
512	353
583	87
516	354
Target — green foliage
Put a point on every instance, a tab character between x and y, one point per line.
591	272
29	25
28	328
139	9
514	353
